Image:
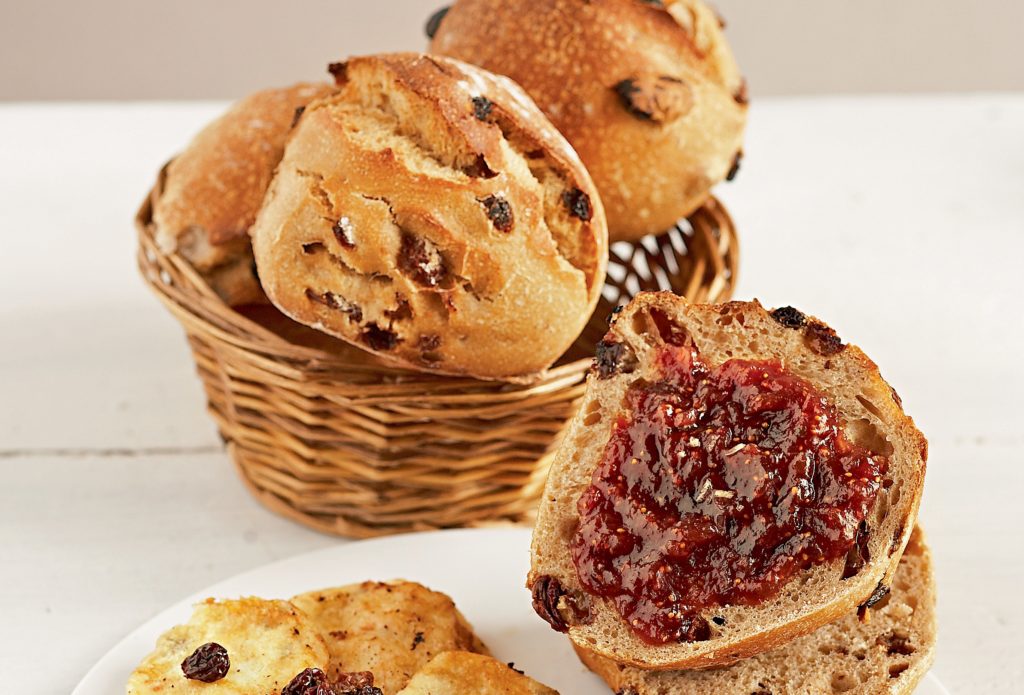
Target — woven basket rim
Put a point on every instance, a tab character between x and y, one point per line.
214	317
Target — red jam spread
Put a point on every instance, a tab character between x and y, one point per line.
722	485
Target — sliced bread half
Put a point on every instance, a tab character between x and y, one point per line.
888	652
710	504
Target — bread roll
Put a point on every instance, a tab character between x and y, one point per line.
647	92
430	213
746	473
212	191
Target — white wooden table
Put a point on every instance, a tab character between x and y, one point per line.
898	220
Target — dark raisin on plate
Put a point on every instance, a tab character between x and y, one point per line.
208	663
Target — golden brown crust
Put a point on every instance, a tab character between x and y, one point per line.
267	642
889	653
212	191
459	673
429	213
647	93
389	629
809	349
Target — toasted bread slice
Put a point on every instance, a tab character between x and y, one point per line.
268	643
888	651
458	673
389	629
871	416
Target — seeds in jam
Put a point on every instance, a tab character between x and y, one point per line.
721	486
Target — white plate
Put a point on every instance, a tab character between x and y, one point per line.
483	570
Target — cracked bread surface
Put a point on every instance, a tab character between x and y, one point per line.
888	653
389	629
648	93
872	415
211	192
429	213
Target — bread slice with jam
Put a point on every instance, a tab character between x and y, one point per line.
888	653
734	478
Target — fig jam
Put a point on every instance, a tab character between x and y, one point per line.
721	486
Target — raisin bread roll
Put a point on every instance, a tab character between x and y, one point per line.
889	653
211	192
733	479
429	213
647	92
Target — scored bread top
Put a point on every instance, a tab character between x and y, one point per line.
648	93
888	653
873	418
431	214
211	192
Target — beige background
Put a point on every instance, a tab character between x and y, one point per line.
183	49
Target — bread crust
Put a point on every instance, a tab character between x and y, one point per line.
430	214
648	93
210	193
808	348
889	653
458	673
389	629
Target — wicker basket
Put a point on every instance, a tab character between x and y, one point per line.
324	434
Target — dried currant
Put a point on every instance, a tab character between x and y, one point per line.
312	681
735	168
499	212
822	339
380	339
578	204
694	628
297	115
337	302
482	107
355	683
434	23
343	233
659	99
859	555
208	663
880	592
417	640
546	592
789	317
612	357
422	261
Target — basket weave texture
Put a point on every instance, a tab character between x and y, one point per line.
324	434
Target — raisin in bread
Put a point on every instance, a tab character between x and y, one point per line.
647	92
726	521
430	213
386	631
208	195
888	650
248	645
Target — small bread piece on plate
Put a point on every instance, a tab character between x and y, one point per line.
735	478
431	214
389	629
210	193
889	652
267	644
460	673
